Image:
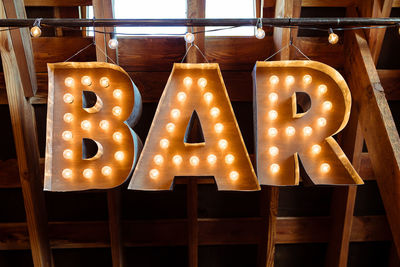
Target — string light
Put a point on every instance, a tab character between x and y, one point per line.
181	96
260	33
36	31
272	132
177	159
119	155
307	79
67	154
189	37
85	125
86	81
67	135
274	79
187	81
322	122
290	131
322	89
170	127
219	127
327	105
69	82
67	173
316	149
106	170
223	144
229	159
234	175
273	151
333	37
117	136
273	115
68	98
194	160
307	131
104	82
273	97
274	168
88	173
289	80
164	143
211	159
116	111
158	159
208	97
68	117
325	167
113	43
117	93
202	82
214	112
175	113
104	124
154	173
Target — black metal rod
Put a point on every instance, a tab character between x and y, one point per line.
276	22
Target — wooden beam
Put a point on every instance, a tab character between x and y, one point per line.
192	225
318	3
196	9
58	3
390	80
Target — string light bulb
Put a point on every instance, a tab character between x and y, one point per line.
212	159
104	124
223	144
164	143
325	167
229	159
272	132
202	82
175	113
87	173
214	112
194	160
67	154
113	43
234	175
316	149
117	136
67	173
158	159
170	127
117	93
68	98
189	37
208	97
260	33
274	168
116	111
333	37
187	81
85	125
36	31
106	170
219	127
177	159
67	135
69	82
68	117
85	80
104	82
154	173
119	155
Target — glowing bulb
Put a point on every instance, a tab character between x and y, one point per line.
119	155
116	111
104	124
274	79
175	113
234	175
325	167
68	98
274	168
273	151
154	173
202	82
67	173
273	97
177	160
307	79
67	154
194	160
307	131
117	93
117	136
322	122
273	115
181	96
316	149
36	31
214	112
189	37
290	131
272	132
212	159
289	80
208	97
113	43
106	171
88	173
327	105
69	82
158	159
333	38
229	159
322	89
67	135
223	144
85	125
86	80
164	143
104	82
170	127
219	127
187	81
68	117
260	33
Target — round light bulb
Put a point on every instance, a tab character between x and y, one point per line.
113	43
212	159
177	159
181	96
189	37
164	143
273	151
36	31
290	131
289	80
117	136
194	160
272	132
273	97
273	115
104	82
202	82
214	112
208	97
274	79
316	149
333	38
106	171
307	131
234	175
119	155
69	82
154	173
87	173
68	98
223	144
104	124
325	167
322	122
327	105
218	127
322	89
67	135
116	111
307	79
260	33
67	154
68	117
67	173
117	93
175	113
187	81
170	127
274	168
229	159
158	159
86	80
85	125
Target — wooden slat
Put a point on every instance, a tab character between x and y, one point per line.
390	80
318	3
9	175
396	3
58	3
366	172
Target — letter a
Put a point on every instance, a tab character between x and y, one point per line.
194	133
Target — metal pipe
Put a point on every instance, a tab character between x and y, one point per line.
276	22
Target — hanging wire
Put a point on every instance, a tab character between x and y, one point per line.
80	51
187	51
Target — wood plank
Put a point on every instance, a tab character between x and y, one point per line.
318	3
390	80
196	9
366	172
58	3
396	3
9	174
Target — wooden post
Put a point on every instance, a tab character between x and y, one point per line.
193	227
196	9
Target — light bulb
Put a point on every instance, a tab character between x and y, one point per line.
307	79
117	136
106	171
175	113
322	122
273	115
85	125
202	82
327	105
87	173
316	149
274	79
322	89
307	131
104	124
223	144
67	173
234	175
214	112
290	131
177	159
187	81
69	82
164	143
211	159
273	151
194	160
218	127
208	97
333	38
272	132
104	82
229	159
260	33
181	96
117	93
119	155
67	154
158	159
170	127
68	98
274	168
189	37
113	43
86	80
154	173
68	117
36	31
273	97
116	111
67	135
325	167
289	80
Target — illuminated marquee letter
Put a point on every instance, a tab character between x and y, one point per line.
195	95
299	105
91	109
